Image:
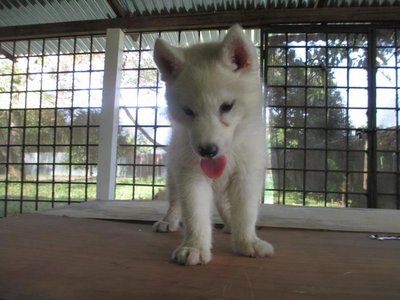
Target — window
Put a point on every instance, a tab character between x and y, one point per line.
387	117
143	128
324	128
333	126
50	103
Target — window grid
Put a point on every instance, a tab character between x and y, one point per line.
354	168
323	146
49	106
387	110
141	162
305	125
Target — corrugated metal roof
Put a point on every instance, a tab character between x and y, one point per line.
86	44
50	46
29	12
22	12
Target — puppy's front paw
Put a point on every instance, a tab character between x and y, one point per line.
164	226
191	256
254	248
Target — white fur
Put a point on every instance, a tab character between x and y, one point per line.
202	78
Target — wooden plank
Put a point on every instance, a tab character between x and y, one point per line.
45	257
219	19
316	218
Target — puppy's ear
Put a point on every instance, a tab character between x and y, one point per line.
238	53
168	59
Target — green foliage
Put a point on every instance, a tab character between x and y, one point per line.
43	192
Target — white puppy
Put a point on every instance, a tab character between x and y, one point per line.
218	148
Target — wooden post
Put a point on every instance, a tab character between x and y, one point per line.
107	164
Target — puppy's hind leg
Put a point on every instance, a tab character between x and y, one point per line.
223	208
171	220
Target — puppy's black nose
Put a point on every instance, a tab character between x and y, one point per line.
208	150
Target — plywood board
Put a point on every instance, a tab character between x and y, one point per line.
318	218
50	257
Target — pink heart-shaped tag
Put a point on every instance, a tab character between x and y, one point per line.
213	168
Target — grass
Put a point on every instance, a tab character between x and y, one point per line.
29	197
15	207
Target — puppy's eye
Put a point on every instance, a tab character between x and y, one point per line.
188	111
226	107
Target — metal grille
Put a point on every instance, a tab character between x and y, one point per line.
386	121
143	129
50	100
324	127
333	131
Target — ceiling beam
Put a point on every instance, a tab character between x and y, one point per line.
121	12
118	9
253	18
320	3
6	54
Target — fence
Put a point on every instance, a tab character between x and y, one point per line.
333	126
